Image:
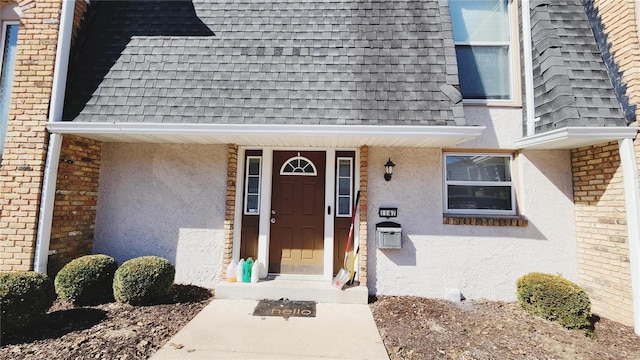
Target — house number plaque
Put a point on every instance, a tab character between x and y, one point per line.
388	212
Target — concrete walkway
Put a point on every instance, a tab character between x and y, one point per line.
226	329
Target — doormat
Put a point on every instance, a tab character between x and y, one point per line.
285	308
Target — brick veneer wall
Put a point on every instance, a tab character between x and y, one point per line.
364	181
230	206
26	140
601	231
620	24
74	212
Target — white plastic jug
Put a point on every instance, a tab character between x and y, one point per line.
255	271
239	270
232	270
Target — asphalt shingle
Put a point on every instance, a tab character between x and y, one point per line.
267	61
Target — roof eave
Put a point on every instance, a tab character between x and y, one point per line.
576	137
272	134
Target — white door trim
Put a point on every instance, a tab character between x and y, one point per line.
265	204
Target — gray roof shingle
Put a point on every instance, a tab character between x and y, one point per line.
571	83
267	61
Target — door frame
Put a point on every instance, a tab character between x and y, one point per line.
266	173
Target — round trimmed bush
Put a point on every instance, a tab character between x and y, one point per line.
87	280
144	280
25	296
555	298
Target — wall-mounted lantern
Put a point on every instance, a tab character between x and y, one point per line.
388	169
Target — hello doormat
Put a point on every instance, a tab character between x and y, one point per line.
285	308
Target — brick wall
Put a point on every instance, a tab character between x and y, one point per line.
75	203
26	141
363	205
230	206
601	231
619	21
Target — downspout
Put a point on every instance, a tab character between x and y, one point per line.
528	68
43	236
632	202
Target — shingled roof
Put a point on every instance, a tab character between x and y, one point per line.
267	62
572	86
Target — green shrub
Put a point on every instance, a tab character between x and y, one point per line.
143	281
25	296
87	280
556	299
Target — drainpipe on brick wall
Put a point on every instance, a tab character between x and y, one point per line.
632	200
43	237
528	68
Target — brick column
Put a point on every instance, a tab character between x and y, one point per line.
26	141
74	212
230	205
601	231
364	181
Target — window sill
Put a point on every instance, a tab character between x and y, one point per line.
485	220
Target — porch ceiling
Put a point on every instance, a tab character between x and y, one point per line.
576	137
330	136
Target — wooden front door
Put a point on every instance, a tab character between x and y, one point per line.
296	244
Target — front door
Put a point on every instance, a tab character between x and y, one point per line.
296	244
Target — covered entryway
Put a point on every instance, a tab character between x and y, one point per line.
296	243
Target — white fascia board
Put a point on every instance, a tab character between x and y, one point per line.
573	137
236	131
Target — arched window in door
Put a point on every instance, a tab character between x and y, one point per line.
300	166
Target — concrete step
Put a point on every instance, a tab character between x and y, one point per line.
320	291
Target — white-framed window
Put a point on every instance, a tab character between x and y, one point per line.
479	184
252	185
8	43
299	165
344	191
484	40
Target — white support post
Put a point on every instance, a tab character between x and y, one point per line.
265	211
632	199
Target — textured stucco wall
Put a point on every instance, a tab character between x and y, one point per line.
164	200
481	261
503	127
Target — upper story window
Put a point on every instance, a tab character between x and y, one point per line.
479	184
484	41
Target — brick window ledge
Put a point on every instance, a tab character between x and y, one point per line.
485	220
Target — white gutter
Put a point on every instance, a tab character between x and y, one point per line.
76	127
573	137
528	68
632	200
43	236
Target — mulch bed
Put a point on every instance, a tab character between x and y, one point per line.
419	328
107	331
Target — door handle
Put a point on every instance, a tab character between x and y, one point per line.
273	220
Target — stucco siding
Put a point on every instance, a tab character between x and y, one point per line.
503	126
481	261
164	200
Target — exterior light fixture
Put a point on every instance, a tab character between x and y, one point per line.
388	169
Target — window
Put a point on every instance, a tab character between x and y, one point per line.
252	186
298	165
9	41
479	184
344	179
483	41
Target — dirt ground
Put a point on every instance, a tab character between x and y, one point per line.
418	328
108	331
411	328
